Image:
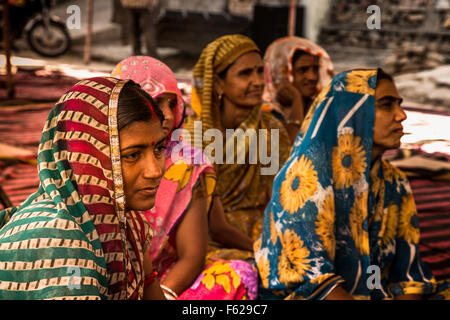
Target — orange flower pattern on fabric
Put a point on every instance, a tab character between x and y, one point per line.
325	226
264	270
358	223
293	262
179	172
221	274
409	221
273	230
357	81
348	160
299	185
391	224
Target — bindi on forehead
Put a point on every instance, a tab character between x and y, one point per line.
306	60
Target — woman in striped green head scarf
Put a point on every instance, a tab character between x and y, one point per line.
227	95
79	236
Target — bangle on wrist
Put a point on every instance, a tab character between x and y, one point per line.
294	122
150	278
169	293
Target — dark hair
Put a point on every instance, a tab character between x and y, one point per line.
222	74
297	55
383	75
136	105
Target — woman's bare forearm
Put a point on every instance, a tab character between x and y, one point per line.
191	242
232	237
183	274
152	291
223	232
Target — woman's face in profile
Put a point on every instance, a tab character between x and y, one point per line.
142	145
389	116
167	103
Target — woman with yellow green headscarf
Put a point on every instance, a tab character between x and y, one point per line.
226	99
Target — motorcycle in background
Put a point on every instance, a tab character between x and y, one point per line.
45	33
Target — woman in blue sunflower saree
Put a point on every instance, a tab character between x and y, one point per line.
342	222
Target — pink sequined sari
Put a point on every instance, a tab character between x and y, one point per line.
222	279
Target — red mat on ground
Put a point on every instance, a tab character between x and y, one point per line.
21	126
433	204
30	85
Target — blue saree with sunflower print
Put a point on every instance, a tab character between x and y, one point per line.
334	217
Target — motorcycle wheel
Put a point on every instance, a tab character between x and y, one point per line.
53	43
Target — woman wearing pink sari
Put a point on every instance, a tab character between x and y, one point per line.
183	201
